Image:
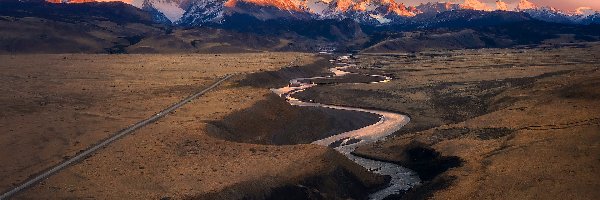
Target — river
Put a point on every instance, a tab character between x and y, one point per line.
401	178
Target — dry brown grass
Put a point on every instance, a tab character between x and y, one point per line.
524	121
56	105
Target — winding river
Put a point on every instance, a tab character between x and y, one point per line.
401	178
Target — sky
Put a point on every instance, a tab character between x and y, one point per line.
568	5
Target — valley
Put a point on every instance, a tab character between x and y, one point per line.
85	98
242	137
299	99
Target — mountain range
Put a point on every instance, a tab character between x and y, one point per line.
366	12
156	26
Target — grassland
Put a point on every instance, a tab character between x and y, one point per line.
517	123
57	105
488	123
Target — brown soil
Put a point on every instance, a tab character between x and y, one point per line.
64	103
523	122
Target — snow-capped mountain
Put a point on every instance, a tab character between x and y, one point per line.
475	5
70	1
591	19
370	12
203	12
171	9
432	9
195	12
525	5
550	14
157	15
501	5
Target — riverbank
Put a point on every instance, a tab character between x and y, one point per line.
496	123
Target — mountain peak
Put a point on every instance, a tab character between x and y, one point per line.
382	7
289	5
585	11
475	5
373	12
501	5
70	1
525	5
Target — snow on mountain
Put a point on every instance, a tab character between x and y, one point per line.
70	1
591	19
157	15
380	18
585	11
201	11
550	14
362	8
501	5
434	8
373	12
170	8
317	7
525	5
204	11
475	5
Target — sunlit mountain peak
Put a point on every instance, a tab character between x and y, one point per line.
501	5
525	5
475	5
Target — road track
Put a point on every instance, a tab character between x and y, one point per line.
82	155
